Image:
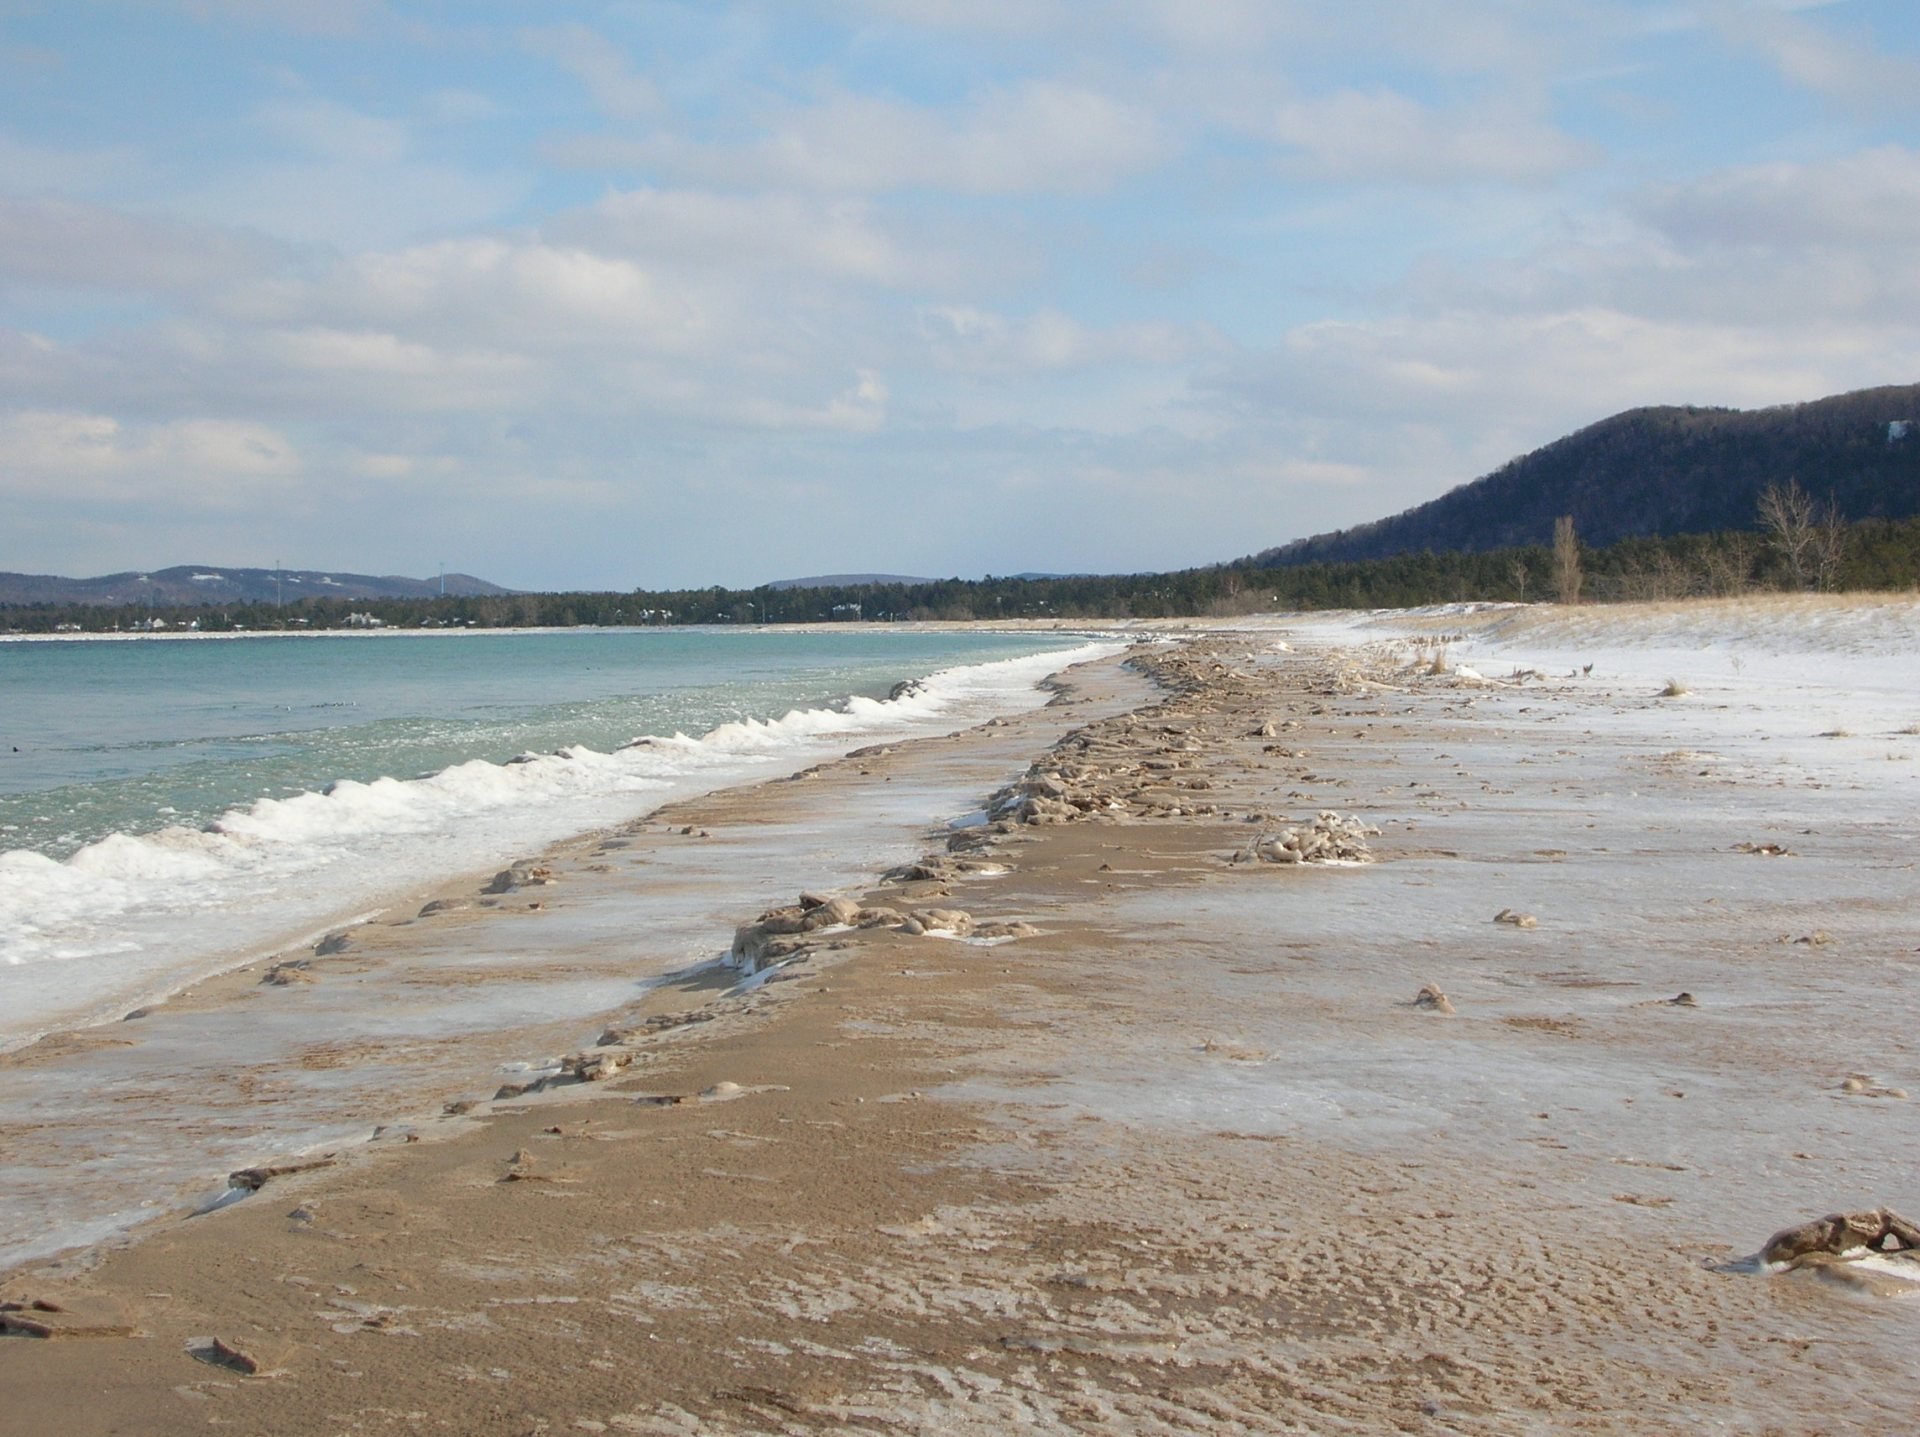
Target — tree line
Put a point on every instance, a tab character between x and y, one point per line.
1795	551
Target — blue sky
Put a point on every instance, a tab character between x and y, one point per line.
651	294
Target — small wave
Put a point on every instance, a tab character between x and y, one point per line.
259	870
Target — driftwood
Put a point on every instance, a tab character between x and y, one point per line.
1840	1233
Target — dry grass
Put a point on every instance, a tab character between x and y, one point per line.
1675	690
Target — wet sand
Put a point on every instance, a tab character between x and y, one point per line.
1188	1159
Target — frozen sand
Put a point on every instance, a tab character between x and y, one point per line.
1190	1160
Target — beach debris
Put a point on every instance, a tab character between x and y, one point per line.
443	905
724	1091
218	1352
995	931
333	943
288	972
52	1320
657	1023
1331	838
1840	1234
953	922
1516	920
1236	1052
1819	938
1433	1000
520	1169
591	1066
1864	1085
1764	850
1674	690
255	1178
1683	1000
524	874
940	868
778	933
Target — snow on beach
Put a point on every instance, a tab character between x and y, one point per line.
1830	683
1746	834
1243	1149
1860	624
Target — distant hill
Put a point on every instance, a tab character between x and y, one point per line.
1662	471
207	585
844	581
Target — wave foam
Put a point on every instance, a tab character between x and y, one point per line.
136	912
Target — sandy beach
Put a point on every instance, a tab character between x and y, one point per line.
1131	1116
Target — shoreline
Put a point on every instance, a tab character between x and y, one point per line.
639	784
1090	627
441	923
1189	1158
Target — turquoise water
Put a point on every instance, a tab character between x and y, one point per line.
129	737
172	807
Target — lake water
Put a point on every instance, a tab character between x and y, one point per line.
168	807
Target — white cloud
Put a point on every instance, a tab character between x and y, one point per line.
73	245
1869	198
199	463
1036	136
316	17
601	66
30	168
1384	135
356	205
732	401
1217	27
335	132
978	341
1576	364
764	234
1853	75
515	291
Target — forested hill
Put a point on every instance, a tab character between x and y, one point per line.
191	584
1662	471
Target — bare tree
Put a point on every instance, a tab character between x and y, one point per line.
1832	543
1520	575
1566	560
1729	564
1792	523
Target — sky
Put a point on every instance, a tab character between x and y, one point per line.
649	294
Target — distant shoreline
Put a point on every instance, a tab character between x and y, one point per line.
413	631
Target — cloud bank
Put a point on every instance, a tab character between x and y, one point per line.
607	297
